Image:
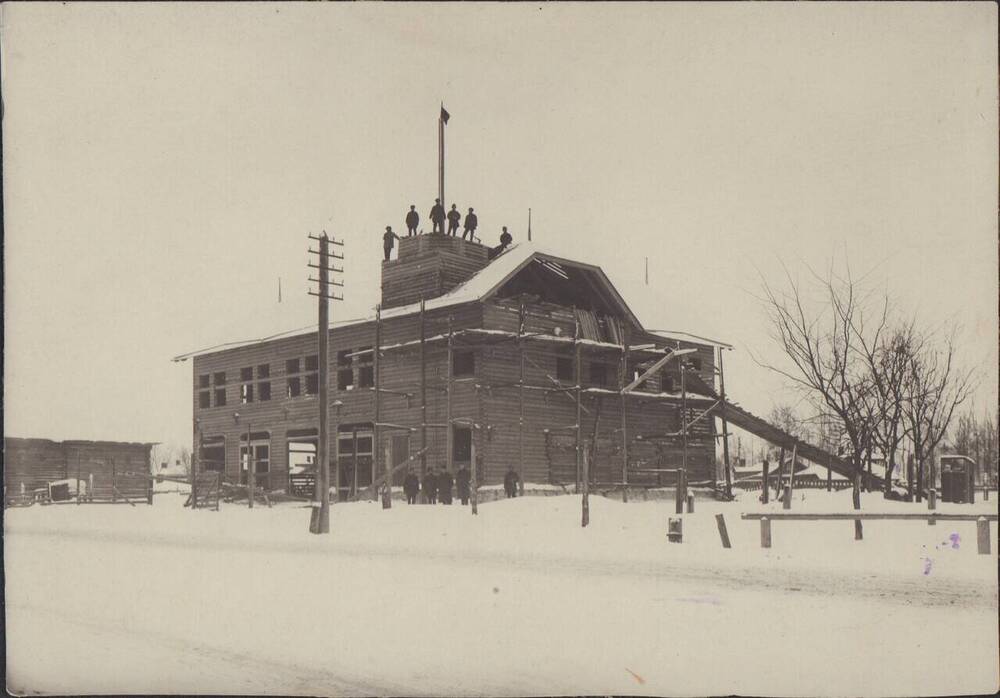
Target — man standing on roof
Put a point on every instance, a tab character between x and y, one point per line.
412	220
437	217
454	218
471	221
388	241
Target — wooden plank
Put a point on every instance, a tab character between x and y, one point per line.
869	516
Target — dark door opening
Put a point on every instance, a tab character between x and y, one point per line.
461	446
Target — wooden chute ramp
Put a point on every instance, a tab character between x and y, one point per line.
758	426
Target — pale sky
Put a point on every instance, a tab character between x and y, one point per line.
164	163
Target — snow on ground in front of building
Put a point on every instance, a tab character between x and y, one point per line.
423	600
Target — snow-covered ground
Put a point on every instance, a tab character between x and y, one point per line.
429	600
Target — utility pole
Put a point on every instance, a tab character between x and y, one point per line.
529	224
320	520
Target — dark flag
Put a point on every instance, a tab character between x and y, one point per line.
444	114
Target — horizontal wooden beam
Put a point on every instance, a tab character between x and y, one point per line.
840	516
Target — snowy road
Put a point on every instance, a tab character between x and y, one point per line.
254	606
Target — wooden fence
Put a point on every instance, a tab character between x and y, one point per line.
932	517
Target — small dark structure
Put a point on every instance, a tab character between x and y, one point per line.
112	470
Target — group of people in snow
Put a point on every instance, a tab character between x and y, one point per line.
437	485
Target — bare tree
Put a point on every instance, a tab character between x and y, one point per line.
822	348
887	356
935	388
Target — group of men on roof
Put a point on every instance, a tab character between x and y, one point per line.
438	218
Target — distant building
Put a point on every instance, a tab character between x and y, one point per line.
30	464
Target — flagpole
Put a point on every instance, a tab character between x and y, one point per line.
441	155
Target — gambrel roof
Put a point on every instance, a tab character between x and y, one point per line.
518	262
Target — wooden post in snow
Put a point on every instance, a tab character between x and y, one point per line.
114	481
251	471
679	493
474	480
195	456
765	532
829	475
780	480
720	521
765	485
585	514
624	401
983	535
790	487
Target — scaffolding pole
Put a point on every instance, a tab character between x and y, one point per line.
377	426
520	398
448	434
577	361
725	428
624	400
684	408
423	399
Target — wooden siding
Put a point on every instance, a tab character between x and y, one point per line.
429	266
36	462
400	374
549	447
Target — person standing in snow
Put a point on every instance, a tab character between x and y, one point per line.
462	479
430	487
411	485
510	481
445	481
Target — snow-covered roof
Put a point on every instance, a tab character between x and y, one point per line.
479	286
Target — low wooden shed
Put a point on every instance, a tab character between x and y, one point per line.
30	464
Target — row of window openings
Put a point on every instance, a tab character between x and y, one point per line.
463	364
294	384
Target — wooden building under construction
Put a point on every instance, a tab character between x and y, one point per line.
528	360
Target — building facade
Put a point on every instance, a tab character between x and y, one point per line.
525	360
